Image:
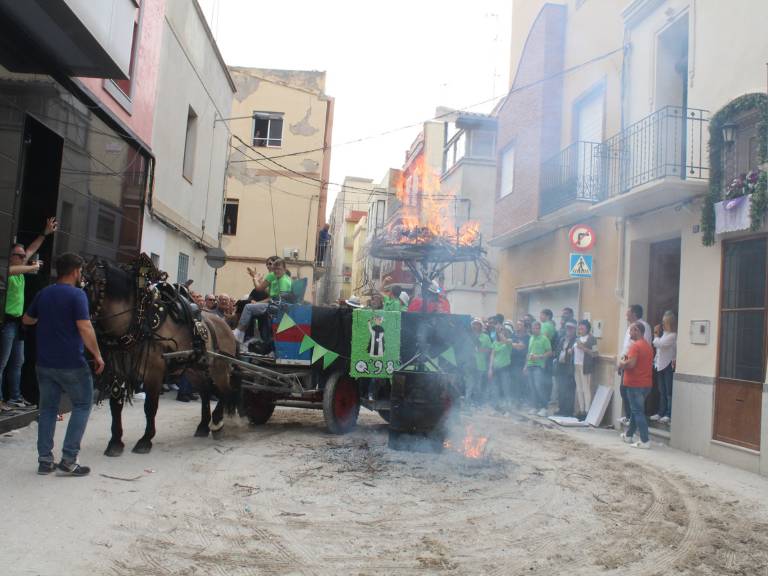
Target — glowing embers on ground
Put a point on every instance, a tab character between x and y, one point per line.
471	446
427	214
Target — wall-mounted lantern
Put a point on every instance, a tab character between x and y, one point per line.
729	132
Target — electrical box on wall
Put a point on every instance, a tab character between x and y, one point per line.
699	331
291	253
597	328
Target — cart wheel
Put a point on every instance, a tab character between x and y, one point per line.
259	410
341	403
384	415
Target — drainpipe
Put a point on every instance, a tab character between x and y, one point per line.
621	228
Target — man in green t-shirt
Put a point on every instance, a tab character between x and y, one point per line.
11	344
475	388
275	283
539	352
500	370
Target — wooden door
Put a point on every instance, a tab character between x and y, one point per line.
742	343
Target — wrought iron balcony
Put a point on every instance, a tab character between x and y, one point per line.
574	174
671	142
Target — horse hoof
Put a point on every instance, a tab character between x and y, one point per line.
142	447
217	434
114	449
201	432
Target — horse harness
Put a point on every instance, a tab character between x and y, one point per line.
155	300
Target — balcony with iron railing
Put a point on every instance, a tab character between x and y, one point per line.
572	176
664	151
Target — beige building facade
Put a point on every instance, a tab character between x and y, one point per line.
350	205
550	127
278	173
680	126
677	76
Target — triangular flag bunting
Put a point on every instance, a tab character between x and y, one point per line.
318	352
306	344
285	323
329	358
449	355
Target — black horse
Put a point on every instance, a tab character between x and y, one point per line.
135	330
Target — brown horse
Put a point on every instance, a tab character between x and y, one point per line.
135	331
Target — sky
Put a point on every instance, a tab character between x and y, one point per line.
389	64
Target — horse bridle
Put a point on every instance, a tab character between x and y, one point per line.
144	273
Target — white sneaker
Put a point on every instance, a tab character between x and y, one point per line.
642	445
624	420
140	396
543	413
627	439
665	419
655	418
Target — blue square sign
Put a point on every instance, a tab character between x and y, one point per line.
580	265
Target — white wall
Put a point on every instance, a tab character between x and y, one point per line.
191	75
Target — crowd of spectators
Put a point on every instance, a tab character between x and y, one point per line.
533	364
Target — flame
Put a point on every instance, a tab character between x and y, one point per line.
427	213
472	446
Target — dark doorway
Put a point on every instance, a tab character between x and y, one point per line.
664	280
663	294
41	159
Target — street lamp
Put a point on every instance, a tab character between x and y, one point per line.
729	132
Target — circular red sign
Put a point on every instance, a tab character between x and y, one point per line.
582	238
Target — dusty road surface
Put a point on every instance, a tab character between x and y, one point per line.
288	498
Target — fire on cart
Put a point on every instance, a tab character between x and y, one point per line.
407	366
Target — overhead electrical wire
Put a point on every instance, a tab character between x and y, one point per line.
444	114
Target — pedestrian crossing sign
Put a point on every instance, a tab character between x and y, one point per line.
580	266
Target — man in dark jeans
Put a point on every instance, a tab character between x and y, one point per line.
63	322
638	379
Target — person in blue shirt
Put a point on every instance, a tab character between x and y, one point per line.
64	329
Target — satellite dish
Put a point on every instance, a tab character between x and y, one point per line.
216	257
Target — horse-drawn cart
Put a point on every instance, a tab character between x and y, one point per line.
416	395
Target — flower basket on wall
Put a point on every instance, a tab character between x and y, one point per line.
733	215
752	186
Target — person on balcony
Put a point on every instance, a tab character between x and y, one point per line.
323	241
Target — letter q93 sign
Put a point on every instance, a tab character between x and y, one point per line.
582	238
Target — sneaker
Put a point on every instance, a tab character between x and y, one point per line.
140	396
45	468
642	445
627	439
174	387
182	397
655	418
4	407
19	403
665	419
624	420
543	413
72	469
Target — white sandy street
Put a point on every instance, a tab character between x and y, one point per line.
288	498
